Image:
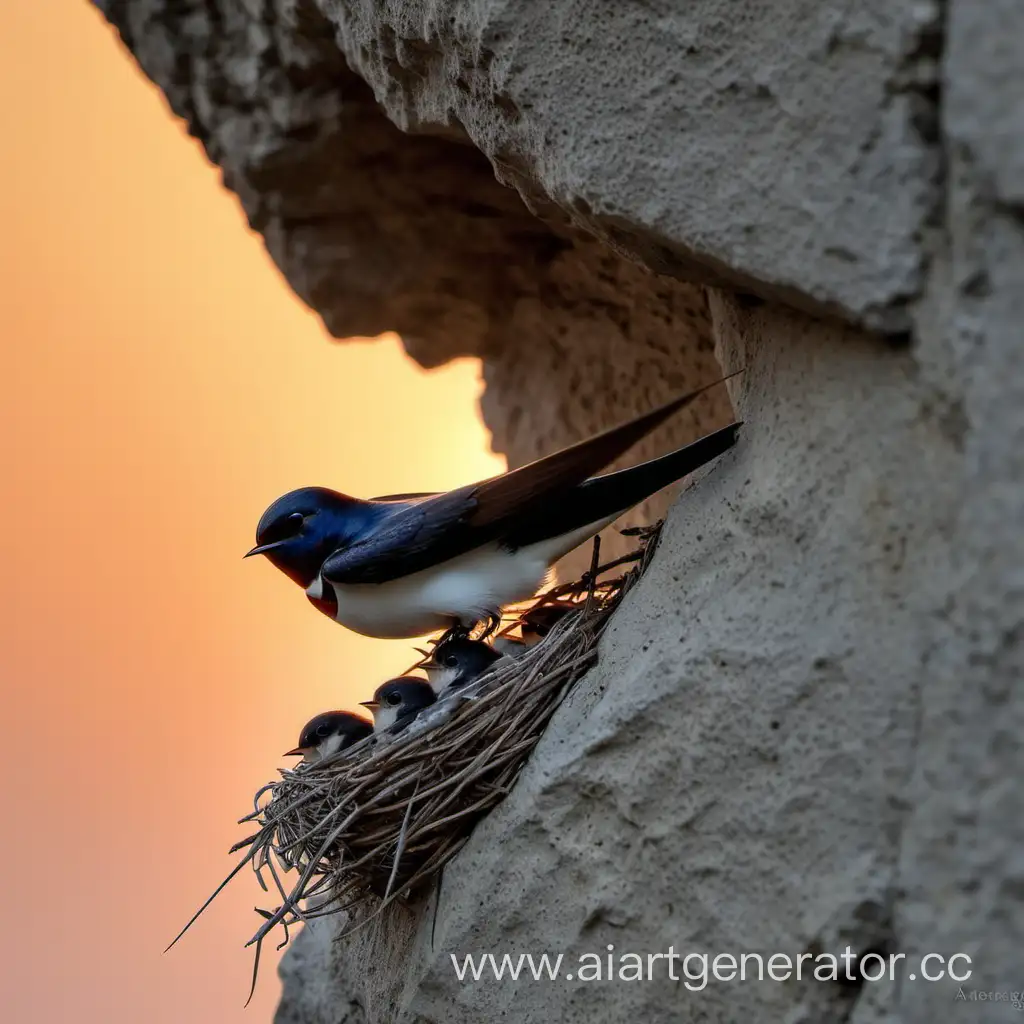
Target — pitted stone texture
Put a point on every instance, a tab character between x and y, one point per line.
984	108
317	992
787	147
962	866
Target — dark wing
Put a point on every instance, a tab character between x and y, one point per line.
504	498
412	538
411	496
433	530
603	496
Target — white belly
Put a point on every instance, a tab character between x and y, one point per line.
462	590
465	589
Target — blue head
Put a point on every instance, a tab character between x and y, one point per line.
398	701
328	733
458	661
302	528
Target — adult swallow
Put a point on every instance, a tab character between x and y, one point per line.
408	565
456	661
398	701
328	733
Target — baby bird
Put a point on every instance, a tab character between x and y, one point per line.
457	661
539	621
397	702
328	733
535	625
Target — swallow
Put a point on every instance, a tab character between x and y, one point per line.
410	564
328	733
457	661
540	620
534	625
397	702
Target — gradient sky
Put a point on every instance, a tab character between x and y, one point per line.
160	385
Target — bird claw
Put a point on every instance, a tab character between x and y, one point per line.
493	622
456	632
462	632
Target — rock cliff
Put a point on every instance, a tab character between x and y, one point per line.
805	731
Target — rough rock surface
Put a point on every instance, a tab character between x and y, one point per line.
806	727
788	147
784	145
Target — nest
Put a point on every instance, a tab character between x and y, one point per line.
376	822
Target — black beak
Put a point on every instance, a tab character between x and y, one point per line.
262	549
371	704
297	752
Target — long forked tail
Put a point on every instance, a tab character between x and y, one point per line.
603	498
506	495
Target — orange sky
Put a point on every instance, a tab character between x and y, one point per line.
160	386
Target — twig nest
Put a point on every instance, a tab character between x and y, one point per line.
376	821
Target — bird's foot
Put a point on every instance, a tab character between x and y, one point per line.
460	631
456	632
493	622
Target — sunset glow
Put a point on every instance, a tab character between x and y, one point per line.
161	385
